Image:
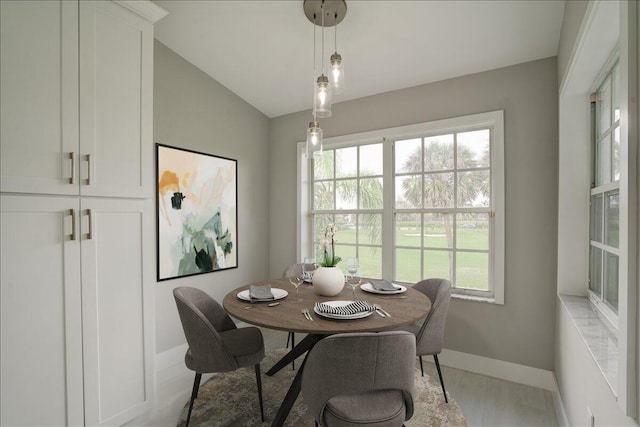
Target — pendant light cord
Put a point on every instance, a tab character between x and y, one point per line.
314	67
322	53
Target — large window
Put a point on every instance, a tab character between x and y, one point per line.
416	202
605	195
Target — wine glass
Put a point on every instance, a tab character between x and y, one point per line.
296	280
353	278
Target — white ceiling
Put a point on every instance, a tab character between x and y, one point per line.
262	50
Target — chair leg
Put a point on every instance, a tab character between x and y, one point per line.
194	395
421	368
259	381
435	357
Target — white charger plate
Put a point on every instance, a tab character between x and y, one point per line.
341	316
368	287
277	294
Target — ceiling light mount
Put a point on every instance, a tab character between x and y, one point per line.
334	11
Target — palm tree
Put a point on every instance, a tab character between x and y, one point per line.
438	188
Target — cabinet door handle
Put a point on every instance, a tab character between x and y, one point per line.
89	162
73	224
72	156
90	231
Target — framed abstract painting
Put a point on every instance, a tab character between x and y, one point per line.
197	212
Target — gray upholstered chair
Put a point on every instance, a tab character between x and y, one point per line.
430	334
215	343
361	379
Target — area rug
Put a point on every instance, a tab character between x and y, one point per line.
231	399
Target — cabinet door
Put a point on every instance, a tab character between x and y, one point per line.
116	96
117	309
41	338
39	96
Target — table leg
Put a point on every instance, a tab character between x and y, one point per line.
296	385
303	346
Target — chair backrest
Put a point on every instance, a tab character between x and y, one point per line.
430	338
359	362
293	270
202	318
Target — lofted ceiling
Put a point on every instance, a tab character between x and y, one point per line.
262	50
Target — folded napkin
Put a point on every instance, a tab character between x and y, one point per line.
345	310
382	285
260	293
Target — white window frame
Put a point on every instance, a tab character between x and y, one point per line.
493	120
598	301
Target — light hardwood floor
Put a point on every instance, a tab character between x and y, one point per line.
485	401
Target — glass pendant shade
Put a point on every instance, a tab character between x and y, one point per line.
322	98
336	73
314	138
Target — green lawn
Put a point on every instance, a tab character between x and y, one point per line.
471	267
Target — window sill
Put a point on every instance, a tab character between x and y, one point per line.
600	337
464	297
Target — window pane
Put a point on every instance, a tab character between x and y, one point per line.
472	270
371	193
371	160
611	280
438	153
323	195
612	218
473	189
438	230
615	168
616	93
603	161
595	222
473	149
346	162
595	270
346	228
408	155
370	229
323	165
603	107
344	252
408	265
408	191
438	264
408	230
438	190
370	261
347	194
472	231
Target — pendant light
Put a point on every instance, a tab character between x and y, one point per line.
329	13
322	94
336	68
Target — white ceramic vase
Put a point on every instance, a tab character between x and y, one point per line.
328	281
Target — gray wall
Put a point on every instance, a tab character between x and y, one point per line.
522	330
192	110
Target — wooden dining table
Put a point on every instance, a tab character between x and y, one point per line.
405	308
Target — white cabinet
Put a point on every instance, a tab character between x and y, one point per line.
39	97
76	203
117	308
77	307
41	323
77	97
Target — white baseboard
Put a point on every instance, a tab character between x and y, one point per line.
170	357
561	415
508	371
